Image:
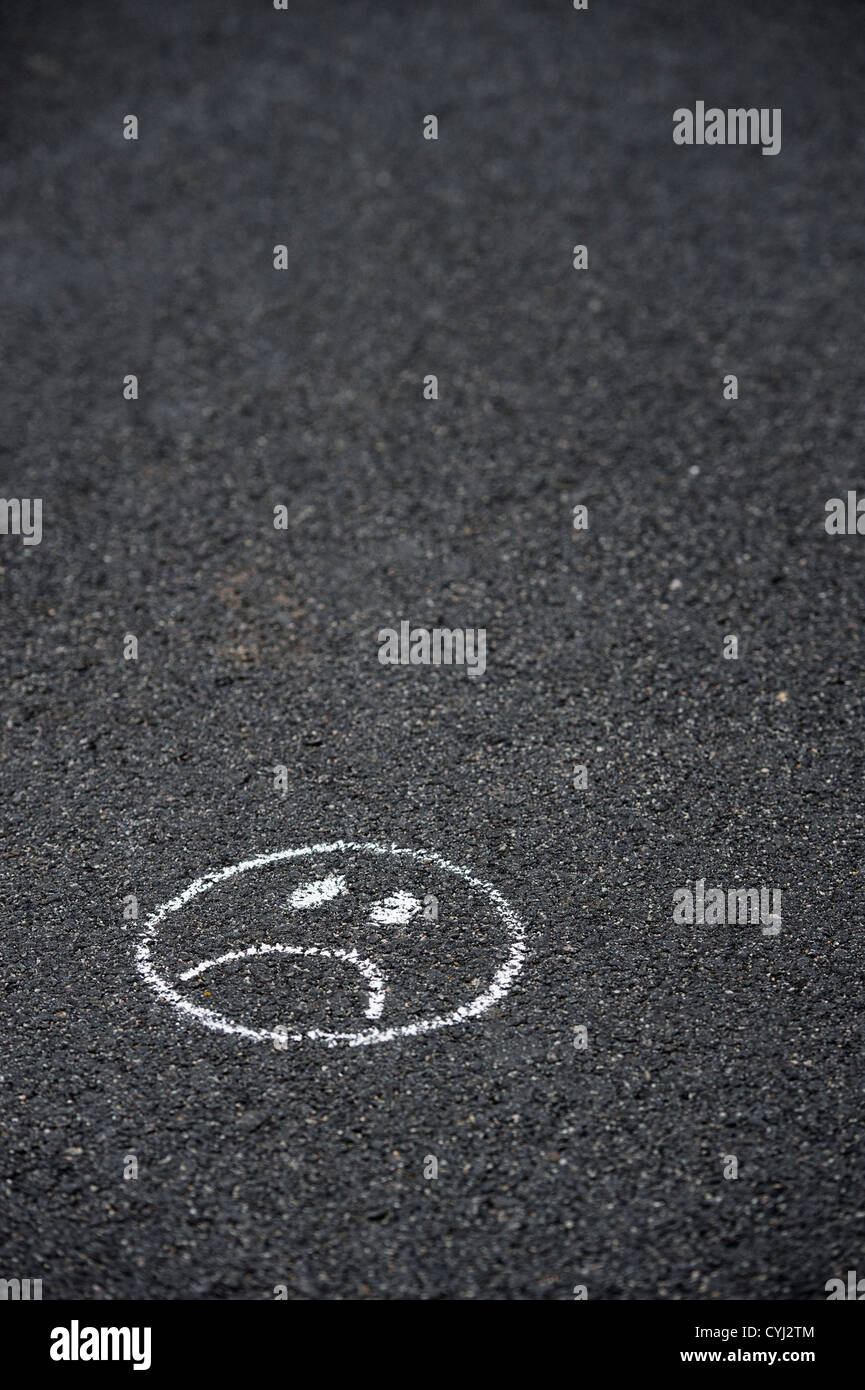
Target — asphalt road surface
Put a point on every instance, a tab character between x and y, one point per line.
147	1154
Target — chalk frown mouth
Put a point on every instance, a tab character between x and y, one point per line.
368	970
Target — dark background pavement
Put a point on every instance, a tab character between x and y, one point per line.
258	647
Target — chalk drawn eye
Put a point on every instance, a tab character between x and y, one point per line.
395	911
317	891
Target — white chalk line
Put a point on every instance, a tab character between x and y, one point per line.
497	989
367	968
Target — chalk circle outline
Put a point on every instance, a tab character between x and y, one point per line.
498	987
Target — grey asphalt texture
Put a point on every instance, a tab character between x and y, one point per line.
304	1166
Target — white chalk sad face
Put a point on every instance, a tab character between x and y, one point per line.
389	943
